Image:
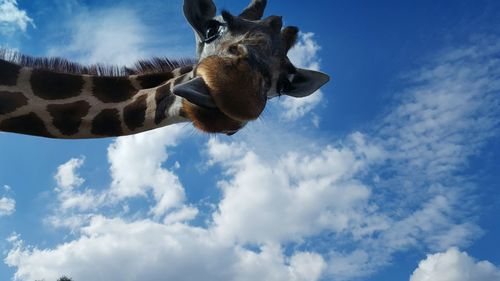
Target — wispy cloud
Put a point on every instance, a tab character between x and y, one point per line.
110	36
13	18
446	115
119	33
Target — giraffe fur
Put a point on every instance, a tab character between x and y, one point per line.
84	105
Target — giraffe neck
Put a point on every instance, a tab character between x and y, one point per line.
67	106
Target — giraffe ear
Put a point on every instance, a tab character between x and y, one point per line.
305	82
198	13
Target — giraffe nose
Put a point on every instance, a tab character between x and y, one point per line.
238	50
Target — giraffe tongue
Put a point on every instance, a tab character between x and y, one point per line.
195	91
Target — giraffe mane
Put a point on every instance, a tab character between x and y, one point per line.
56	64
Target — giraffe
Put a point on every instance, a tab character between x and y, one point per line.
241	63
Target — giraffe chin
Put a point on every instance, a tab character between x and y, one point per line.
210	120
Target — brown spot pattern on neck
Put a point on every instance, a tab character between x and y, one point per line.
10	101
55	86
164	100
113	89
67	118
134	114
154	80
8	73
29	124
47	103
107	123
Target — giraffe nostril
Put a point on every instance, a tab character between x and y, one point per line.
238	50
233	50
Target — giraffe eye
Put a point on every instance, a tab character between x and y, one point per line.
214	29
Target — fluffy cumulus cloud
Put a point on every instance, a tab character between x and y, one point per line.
12	18
299	194
454	265
73	199
296	208
304	55
136	169
116	249
68	182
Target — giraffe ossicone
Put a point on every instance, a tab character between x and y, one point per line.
241	63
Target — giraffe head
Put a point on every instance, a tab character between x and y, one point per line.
242	62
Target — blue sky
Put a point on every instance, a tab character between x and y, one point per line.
390	172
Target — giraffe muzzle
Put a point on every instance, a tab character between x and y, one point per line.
226	84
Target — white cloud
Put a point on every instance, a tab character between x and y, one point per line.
144	250
119	33
68	184
11	17
454	265
269	264
183	214
7	206
448	113
300	194
136	168
349	205
433	224
443	118
110	36
70	211
307	266
442	121
66	175
303	55
7	203
136	171
115	249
